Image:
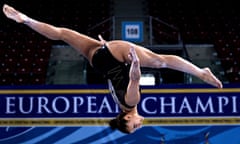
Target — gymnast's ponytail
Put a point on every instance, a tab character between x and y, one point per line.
119	123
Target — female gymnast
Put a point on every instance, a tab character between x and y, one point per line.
119	61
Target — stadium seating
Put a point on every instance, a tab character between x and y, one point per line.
206	22
24	54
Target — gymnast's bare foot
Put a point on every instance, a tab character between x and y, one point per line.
135	72
208	77
13	14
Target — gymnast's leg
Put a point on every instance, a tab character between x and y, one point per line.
84	44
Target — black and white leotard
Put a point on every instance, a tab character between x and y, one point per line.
117	74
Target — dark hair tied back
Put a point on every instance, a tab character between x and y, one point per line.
119	123
113	123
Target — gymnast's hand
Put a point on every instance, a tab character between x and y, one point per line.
101	39
135	72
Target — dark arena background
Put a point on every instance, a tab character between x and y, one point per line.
50	94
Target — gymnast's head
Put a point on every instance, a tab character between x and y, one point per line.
126	122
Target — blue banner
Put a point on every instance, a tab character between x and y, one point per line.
186	114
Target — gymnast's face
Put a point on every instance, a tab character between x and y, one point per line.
134	122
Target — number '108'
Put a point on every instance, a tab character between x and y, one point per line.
132	31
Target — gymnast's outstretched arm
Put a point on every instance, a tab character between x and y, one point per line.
133	95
